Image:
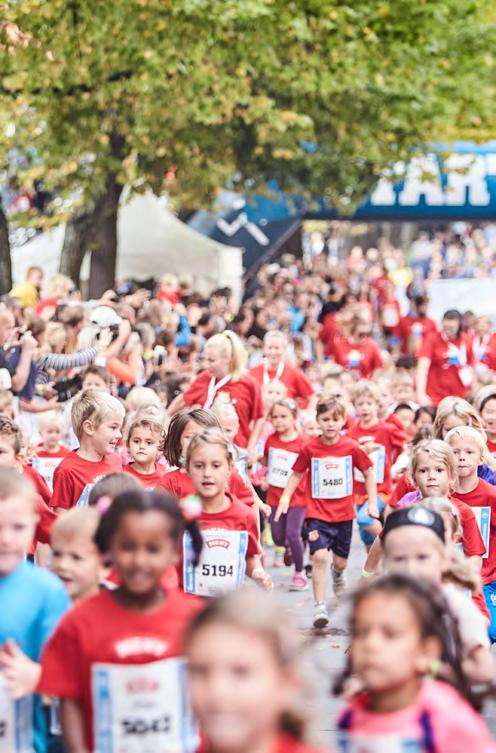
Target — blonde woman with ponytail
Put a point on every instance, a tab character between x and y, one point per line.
225	380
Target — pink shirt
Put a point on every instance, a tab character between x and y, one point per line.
440	717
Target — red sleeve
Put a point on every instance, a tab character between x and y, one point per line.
46	519
402	487
376	361
361	459
302	462
397	435
252	528
240	489
257	408
303	387
196	392
39	482
63	489
426	350
61	662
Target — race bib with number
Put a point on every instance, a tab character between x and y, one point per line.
483	518
332	478
222	563
378	458
46	468
16	722
357	743
279	466
142	708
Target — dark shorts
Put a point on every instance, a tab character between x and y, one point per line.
335	537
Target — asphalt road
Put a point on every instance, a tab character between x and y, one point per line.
326	650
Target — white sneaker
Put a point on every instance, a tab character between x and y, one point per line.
320	616
339	582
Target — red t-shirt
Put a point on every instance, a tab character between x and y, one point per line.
244	393
75	477
295	380
99	630
363	356
484	495
280	457
331	468
329	332
447	368
46	519
46	462
180	485
148	480
391	441
390	314
403	486
491	446
485	351
418	327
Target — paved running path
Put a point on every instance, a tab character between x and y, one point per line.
326	649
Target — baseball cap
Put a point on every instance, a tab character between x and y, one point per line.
415	516
105	316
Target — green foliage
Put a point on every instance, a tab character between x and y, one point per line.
185	95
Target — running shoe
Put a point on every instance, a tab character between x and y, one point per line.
320	616
298	582
339	582
288	557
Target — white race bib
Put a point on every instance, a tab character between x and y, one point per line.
46	468
142	708
483	518
332	477
378	458
222	563
360	743
279	465
16	722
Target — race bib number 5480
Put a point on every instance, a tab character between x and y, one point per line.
332	477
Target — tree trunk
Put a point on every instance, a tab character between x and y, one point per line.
104	241
77	240
5	261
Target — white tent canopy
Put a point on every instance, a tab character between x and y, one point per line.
151	242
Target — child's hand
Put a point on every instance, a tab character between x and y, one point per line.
373	511
21	673
262	579
265	509
282	507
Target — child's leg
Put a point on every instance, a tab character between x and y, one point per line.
294	522
366	523
489	591
340	552
278	528
320	561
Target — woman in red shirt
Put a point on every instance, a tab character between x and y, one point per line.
274	366
445	362
225	378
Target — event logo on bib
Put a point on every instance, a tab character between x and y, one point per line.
354	358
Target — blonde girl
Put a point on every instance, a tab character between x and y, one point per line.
453	412
247	640
229	528
225	376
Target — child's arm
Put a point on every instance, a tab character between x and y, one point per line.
255	571
255	435
371	491
288	492
71	719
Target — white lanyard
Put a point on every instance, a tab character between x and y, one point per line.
480	346
214	388
266	377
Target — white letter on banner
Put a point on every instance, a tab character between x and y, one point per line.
473	179
423	179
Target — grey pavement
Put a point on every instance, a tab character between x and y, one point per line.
326	649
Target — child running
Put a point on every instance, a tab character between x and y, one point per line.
468	448
398	636
97	420
331	460
50	452
237	644
32	602
115	660
281	450
229	528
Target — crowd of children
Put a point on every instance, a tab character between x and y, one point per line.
139	546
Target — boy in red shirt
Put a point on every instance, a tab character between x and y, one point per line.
96	420
468	448
331	459
382	441
51	452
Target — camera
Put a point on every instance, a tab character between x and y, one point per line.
67	388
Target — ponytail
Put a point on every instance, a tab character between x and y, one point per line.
231	345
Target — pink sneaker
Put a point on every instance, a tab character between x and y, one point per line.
298	582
